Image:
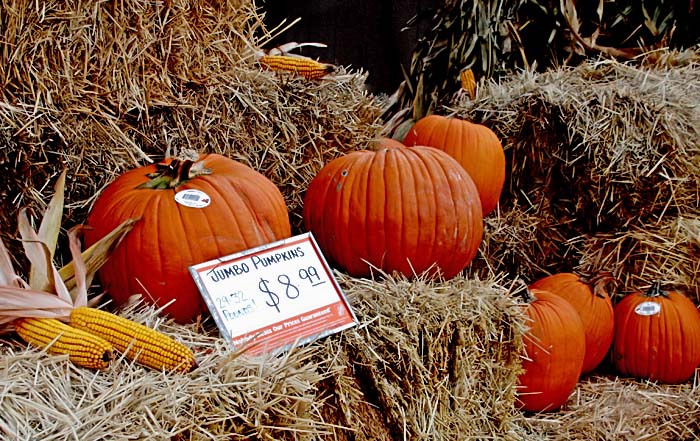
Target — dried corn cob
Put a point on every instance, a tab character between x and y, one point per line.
468	82
136	341
83	349
306	67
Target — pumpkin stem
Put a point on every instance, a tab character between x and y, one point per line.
600	281
174	173
524	293
655	290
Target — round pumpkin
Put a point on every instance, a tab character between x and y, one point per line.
555	346
590	299
474	146
190	212
397	209
657	336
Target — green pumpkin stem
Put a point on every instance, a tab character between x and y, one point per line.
174	174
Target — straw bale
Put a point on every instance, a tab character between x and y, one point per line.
598	149
514	241
439	359
47	397
428	360
665	252
608	408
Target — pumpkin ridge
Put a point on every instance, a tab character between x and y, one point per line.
335	173
345	242
359	240
212	192
165	253
215	194
393	210
472	200
435	170
122	255
402	160
674	345
451	256
421	224
376	180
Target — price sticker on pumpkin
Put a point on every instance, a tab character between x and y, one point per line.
274	296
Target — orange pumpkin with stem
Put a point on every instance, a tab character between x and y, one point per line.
474	146
589	297
191	211
396	209
555	346
657	336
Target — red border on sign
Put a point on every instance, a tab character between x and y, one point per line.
300	327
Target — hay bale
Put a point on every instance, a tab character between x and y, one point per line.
596	150
438	359
428	360
615	409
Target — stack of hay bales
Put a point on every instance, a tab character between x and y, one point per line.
603	164
603	174
99	88
427	361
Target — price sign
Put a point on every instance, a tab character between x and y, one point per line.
274	295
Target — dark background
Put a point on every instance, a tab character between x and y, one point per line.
372	35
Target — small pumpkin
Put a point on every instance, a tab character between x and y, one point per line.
555	346
190	211
657	336
397	209
474	146
589	297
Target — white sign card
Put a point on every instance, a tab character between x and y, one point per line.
273	296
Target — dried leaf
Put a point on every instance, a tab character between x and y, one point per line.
40	276
95	256
22	302
43	274
8	277
51	222
79	294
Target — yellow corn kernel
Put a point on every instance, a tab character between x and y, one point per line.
83	348
136	341
306	67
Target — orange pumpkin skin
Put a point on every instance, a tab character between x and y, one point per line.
246	210
593	304
475	146
657	336
555	346
396	209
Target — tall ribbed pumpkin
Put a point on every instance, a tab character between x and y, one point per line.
398	209
475	146
191	212
590	299
657	336
555	345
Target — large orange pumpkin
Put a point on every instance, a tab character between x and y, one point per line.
657	336
555	345
475	146
590	299
190	212
398	209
